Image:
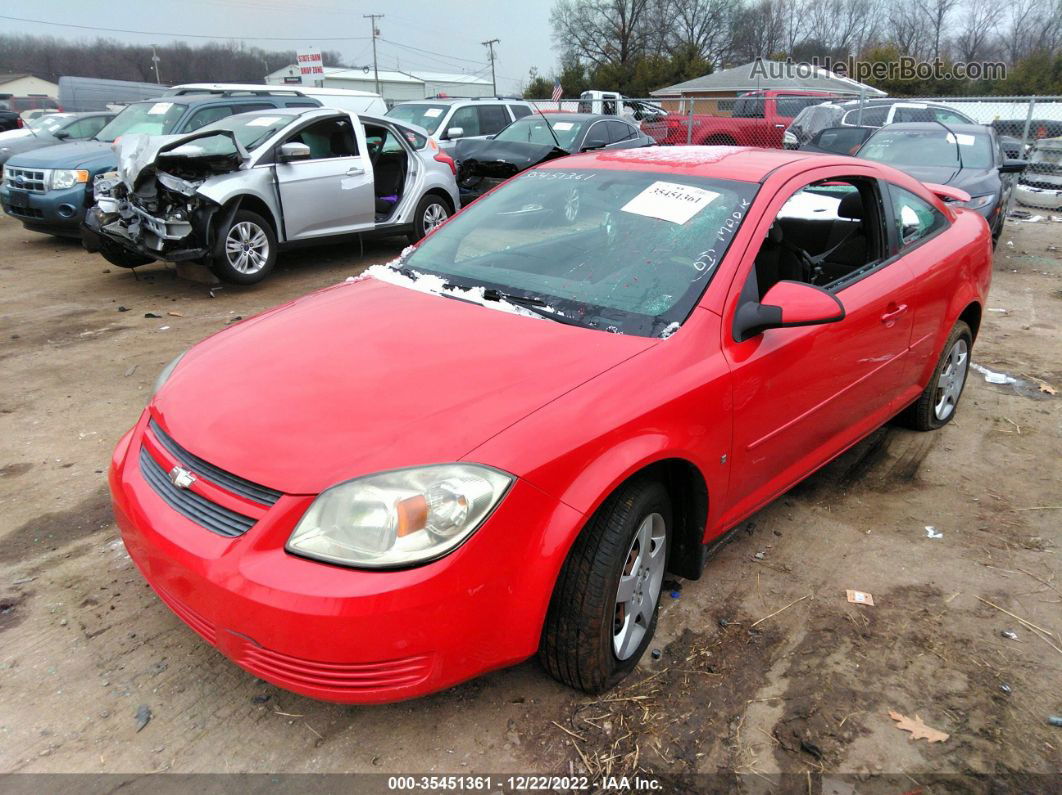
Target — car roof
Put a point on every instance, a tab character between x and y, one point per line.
202	99
740	163
455	100
575	117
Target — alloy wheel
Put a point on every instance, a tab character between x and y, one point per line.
434	214
247	247
951	380
639	586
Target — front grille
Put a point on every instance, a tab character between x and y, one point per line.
35	180
203	628
219	477
337	678
1033	182
200	510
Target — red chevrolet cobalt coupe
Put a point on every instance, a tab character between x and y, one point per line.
500	443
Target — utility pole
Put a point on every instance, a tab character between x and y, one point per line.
375	32
155	64
490	44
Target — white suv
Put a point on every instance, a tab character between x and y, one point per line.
447	120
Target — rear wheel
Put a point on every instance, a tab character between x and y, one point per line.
937	404
603	612
246	251
432	210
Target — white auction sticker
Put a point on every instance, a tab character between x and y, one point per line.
159	108
670	201
431	113
963	139
562	125
263	121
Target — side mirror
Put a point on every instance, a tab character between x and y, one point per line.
591	147
62	135
840	140
455	132
1012	166
292	151
786	305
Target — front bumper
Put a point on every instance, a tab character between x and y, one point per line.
1045	198
341	634
56	212
94	231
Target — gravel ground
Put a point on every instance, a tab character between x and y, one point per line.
86	647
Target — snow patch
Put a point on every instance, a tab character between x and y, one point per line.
670	329
677	155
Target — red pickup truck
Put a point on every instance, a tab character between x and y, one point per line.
759	118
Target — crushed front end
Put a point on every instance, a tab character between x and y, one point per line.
152	205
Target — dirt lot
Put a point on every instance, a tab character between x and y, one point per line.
738	686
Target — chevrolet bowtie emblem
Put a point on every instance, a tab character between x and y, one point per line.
181	478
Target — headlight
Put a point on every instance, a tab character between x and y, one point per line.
167	371
68	178
789	139
399	518
977	202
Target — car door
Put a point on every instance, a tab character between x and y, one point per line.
332	192
596	137
621	135
801	395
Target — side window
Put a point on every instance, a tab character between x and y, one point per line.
300	103
749	107
328	138
618	131
205	116
914	218
492	119
596	136
253	106
791	106
872	117
826	234
467	118
519	111
85	128
948	116
903	114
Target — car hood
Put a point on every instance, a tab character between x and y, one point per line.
12	147
142	156
488	158
369	376
91	155
974	181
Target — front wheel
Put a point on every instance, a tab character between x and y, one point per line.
603	612
432	210
938	402
246	251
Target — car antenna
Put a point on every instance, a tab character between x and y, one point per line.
549	127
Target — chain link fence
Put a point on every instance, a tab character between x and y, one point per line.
1028	128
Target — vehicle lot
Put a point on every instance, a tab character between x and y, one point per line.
84	644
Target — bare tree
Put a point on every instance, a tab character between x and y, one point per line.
906	26
602	32
703	24
978	29
936	12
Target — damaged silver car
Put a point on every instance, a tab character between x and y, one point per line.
233	193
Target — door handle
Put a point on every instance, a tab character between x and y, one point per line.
780	126
893	312
355	171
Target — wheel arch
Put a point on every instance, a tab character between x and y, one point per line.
442	194
971	316
248	201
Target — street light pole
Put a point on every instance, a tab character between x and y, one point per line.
375	32
490	45
155	63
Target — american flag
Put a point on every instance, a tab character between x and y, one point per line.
558	92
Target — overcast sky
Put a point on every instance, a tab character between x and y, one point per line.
450	30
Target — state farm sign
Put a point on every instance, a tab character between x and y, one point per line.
311	67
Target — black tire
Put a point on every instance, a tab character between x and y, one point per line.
420	226
924	414
122	257
227	264
577	640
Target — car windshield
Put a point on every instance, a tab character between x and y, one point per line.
149	118
532	129
251	130
620	251
427	116
937	147
50	123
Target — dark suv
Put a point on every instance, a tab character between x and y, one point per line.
12	107
49	190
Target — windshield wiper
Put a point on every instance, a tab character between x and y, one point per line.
532	304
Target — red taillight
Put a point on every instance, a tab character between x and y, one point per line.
20	123
442	157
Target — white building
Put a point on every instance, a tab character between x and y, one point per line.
395	86
22	85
